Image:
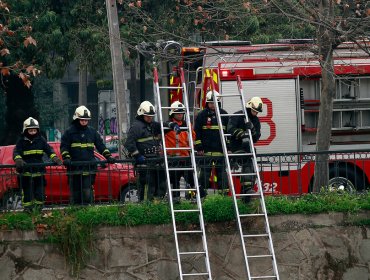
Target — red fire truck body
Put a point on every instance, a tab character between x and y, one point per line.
288	79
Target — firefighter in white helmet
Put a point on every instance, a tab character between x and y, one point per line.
177	137
238	127
29	149
143	144
77	144
208	142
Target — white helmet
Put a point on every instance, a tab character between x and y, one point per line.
146	109
210	95
30	123
256	104
82	113
177	108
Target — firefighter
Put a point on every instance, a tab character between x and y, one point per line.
176	138
144	142
77	144
208	142
30	148
239	143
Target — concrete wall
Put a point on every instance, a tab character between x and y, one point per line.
307	247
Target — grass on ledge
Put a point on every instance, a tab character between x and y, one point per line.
216	208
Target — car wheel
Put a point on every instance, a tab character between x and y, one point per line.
12	200
129	194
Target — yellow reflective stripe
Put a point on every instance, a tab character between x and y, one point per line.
29	174
33	152
17	157
198	142
212	127
27	203
82	145
213	154
215	79
53	156
141	140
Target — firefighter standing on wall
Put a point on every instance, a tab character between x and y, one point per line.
208	141
177	138
30	148
77	144
144	142
238	128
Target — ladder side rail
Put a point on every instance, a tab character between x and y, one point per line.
158	97
231	182
256	169
193	162
196	109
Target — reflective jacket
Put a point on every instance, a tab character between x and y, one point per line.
143	138
32	151
207	131
78	143
174	140
237	124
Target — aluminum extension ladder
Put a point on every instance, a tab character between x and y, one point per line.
184	252
257	246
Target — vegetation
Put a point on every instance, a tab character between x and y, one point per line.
72	228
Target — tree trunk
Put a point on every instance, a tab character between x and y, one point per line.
325	44
19	106
82	84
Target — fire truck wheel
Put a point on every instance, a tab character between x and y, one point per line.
129	194
341	184
346	178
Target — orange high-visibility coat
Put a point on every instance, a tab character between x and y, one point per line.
174	140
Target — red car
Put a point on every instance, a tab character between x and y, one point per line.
114	182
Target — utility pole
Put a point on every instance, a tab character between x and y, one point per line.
119	80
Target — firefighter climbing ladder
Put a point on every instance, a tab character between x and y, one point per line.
180	234
257	247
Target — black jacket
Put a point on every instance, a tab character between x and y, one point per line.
207	131
32	151
143	138
237	124
78	143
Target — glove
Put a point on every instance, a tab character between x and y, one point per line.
57	161
249	125
111	160
19	163
140	159
67	162
175	127
245	143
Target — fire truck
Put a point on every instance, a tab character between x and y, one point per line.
287	76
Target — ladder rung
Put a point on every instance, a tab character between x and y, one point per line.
186	210
229	95
259	256
164	87
255	235
180	169
181	190
195	274
264	277
247	194
178	148
239	155
243	174
231	115
192	253
251	215
189	231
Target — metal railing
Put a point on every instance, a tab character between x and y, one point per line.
283	173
